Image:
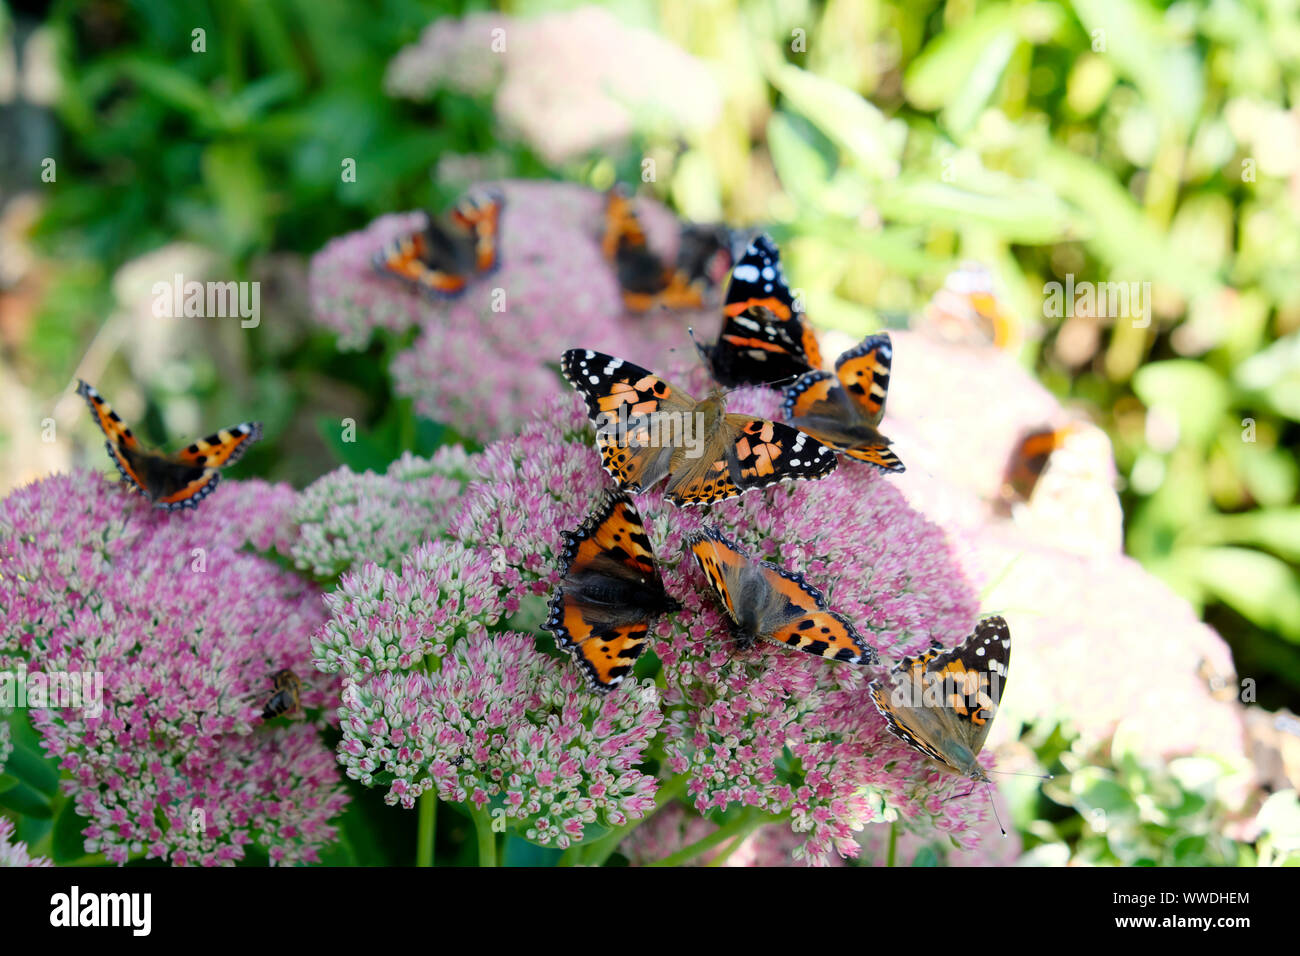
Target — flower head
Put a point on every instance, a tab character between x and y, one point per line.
567	82
176	626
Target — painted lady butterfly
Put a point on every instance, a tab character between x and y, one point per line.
448	252
844	410
968	311
703	257
175	481
1028	460
609	593
769	602
648	430
764	338
942	703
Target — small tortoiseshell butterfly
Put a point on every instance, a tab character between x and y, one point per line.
703	257
647	430
844	410
764	338
942	703
769	602
968	311
288	690
171	482
1028	460
443	257
609	593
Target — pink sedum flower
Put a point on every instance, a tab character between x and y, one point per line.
504	727
182	625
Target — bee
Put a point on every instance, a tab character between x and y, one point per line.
287	691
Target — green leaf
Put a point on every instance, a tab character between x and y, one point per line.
1273	529
67	843
1257	586
1194	392
1138	41
26	800
519	852
30	768
871	140
925	857
1018	211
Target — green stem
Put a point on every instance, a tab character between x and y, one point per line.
893	843
755	822
598	851
745	822
487	840
428	828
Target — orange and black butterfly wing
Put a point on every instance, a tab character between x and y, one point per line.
943	703
446	254
221	448
131	459
1029	459
795	614
975	671
763	339
843	410
756	347
184	479
610	592
477	215
767	601
863	372
625	402
622	227
757	279
968	310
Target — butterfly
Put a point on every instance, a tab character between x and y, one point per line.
648	430
942	703
968	311
175	481
844	410
443	257
1028	460
288	690
764	337
769	602
703	257
609	593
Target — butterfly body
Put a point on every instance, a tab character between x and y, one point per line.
768	602
610	591
288	690
844	410
646	280
942	703
968	311
442	258
175	481
648	430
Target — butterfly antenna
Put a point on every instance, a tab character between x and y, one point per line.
1016	773
989	792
